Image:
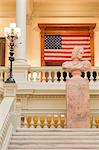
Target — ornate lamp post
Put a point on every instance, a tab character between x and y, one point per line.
12	33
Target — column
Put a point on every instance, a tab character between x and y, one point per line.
21	23
21	67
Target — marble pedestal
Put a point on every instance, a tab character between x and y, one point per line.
78	112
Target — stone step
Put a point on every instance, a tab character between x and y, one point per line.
56	133
57	130
55	149
55	141
54	137
54	146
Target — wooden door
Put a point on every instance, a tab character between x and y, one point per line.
2	51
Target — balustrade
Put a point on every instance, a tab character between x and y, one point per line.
51	121
94	122
52	74
3	73
43	121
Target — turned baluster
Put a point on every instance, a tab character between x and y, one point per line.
55	119
35	120
61	77
97	75
49	76
49	121
67	77
38	76
22	121
91	75
55	76
31	76
85	75
44	76
97	122
25	122
28	119
62	121
42	121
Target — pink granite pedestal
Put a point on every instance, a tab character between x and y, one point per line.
78	112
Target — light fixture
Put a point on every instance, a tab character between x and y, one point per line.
12	33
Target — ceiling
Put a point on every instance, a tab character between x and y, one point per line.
52	8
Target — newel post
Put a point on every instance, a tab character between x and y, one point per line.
10	90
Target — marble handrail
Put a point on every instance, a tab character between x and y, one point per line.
57	74
7	121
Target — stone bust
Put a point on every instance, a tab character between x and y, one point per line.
76	65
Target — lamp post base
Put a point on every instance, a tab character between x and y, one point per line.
10	80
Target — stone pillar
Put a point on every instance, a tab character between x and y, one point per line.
21	23
21	66
78	112
10	90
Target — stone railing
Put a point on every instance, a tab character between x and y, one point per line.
57	74
7	121
94	121
3	73
43	120
51	74
57	120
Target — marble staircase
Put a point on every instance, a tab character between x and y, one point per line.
54	139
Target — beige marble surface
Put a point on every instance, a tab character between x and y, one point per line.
78	115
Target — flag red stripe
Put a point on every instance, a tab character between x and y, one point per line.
75	44
72	48
66	56
82	35
50	52
59	60
79	40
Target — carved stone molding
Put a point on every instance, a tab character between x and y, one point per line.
40	96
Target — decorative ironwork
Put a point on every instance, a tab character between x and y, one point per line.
12	34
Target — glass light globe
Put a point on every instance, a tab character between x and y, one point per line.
12	30
7	31
13	25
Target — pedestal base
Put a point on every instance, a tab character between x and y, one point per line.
78	114
20	71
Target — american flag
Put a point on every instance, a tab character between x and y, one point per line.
58	48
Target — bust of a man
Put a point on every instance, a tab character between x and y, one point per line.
76	64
